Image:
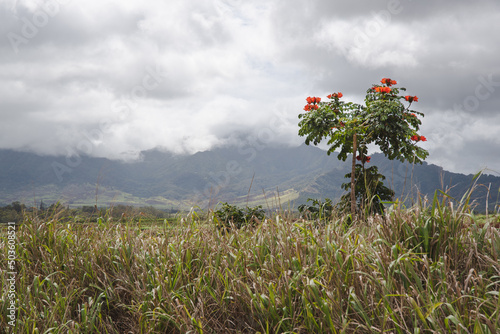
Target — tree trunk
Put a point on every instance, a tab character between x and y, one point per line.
353	194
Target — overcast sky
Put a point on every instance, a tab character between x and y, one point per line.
112	78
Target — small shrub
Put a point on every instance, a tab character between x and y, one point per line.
321	211
229	215
370	192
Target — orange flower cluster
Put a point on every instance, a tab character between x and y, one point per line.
411	98
311	103
313	99
382	89
309	107
388	81
335	95
418	138
366	159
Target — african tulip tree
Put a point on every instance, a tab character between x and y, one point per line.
385	120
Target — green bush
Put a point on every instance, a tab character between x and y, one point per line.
369	189
321	211
230	215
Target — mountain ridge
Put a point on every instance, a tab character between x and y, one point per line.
232	174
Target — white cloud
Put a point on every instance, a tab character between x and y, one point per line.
373	43
189	76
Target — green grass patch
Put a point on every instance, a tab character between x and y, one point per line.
419	270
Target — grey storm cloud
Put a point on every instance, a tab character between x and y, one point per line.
111	78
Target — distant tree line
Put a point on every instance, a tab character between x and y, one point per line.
12	212
16	211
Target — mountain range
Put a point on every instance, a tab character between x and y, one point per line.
268	176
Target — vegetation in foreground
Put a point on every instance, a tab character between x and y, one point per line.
423	270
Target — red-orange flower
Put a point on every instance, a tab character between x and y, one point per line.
382	89
311	103
313	99
411	98
418	138
366	159
309	107
388	81
335	95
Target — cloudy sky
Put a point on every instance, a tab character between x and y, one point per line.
114	77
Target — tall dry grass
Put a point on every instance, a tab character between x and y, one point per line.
421	270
